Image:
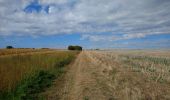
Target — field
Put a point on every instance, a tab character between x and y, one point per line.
93	75
19	73
115	75
5	52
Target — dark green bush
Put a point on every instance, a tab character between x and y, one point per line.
74	48
9	47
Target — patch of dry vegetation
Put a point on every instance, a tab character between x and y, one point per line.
20	51
18	68
136	74
156	68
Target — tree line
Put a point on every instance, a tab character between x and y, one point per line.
71	47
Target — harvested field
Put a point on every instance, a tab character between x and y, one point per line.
110	75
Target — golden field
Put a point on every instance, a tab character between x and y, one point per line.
20	51
16	68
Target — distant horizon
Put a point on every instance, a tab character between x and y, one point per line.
91	48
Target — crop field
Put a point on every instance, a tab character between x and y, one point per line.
116	75
90	75
84	49
134	74
4	52
22	76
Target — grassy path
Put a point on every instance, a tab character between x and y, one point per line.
81	82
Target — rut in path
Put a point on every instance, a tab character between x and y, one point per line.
82	81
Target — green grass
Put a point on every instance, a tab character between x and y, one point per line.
24	77
86	98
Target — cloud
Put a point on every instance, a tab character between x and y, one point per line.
91	18
53	1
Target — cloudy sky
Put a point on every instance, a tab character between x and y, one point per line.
91	23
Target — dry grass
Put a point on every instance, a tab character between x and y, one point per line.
154	64
156	68
20	51
138	74
15	68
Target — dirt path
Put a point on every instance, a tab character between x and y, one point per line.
82	82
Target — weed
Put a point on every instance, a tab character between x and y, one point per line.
86	98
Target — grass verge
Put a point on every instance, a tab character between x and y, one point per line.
35	82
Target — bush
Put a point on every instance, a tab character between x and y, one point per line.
9	47
74	47
45	48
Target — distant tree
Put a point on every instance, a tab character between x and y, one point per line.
44	48
9	47
78	47
70	47
74	47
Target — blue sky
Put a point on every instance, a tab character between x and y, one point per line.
104	24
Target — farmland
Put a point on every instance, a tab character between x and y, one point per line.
84	49
4	52
93	75
22	74
116	74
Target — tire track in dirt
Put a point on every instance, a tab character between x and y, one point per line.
82	81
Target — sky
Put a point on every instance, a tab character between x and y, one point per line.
104	24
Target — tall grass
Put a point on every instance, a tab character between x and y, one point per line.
19	51
18	72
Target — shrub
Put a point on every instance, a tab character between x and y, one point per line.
45	48
9	47
74	47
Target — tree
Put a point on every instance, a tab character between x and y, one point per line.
9	47
71	47
78	48
74	47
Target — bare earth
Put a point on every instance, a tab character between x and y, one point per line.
97	76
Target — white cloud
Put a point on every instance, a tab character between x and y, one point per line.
53	1
91	18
